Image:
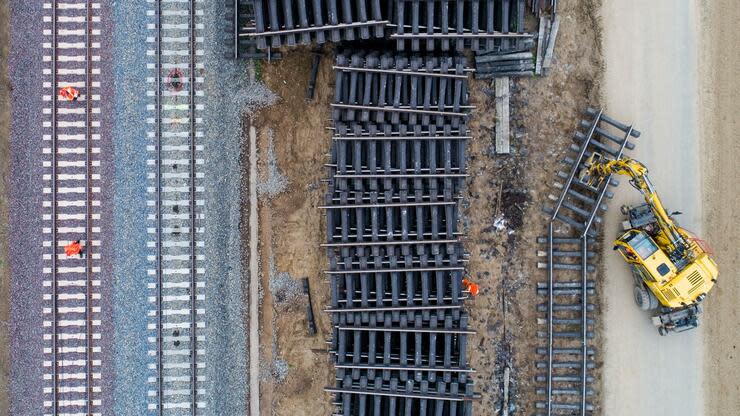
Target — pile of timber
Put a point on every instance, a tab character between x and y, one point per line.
493	65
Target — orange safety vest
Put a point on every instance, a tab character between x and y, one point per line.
72	249
69	93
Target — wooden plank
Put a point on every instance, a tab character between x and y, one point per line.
540	40
502	115
547	62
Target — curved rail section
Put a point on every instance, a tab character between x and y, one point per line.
71	210
566	357
176	274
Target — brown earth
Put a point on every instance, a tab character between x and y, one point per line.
4	162
544	115
719	97
545	111
291	230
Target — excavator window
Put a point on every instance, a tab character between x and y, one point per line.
643	246
663	269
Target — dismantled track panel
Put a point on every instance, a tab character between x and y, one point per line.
396	263
455	25
566	358
293	22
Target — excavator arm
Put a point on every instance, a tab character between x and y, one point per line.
597	169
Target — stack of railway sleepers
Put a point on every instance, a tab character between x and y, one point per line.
504	65
293	22
399	332
456	25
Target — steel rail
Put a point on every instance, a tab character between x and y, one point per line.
400	394
405	330
409	110
158	207
584	274
584	321
88	208
236	29
54	241
193	268
574	168
434	73
324	28
395	270
392	308
401	137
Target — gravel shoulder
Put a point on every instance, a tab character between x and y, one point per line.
25	190
720	97
651	81
4	162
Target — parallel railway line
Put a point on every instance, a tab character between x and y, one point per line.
71	324
177	271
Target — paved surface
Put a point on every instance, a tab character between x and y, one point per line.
650	54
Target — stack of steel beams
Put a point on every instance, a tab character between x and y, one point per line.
449	24
396	262
293	22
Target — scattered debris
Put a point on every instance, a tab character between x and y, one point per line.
314	73
547	62
283	287
309	308
502	115
273	182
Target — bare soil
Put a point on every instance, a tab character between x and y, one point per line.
513	189
5	88
503	260
291	230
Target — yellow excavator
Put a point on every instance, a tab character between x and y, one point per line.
672	269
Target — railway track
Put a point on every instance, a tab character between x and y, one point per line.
177	285
72	377
566	358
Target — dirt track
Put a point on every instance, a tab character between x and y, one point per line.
720	103
652	80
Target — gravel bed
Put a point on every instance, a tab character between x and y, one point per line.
130	268
25	187
227	90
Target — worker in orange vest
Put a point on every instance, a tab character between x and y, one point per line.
69	93
73	248
470	286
